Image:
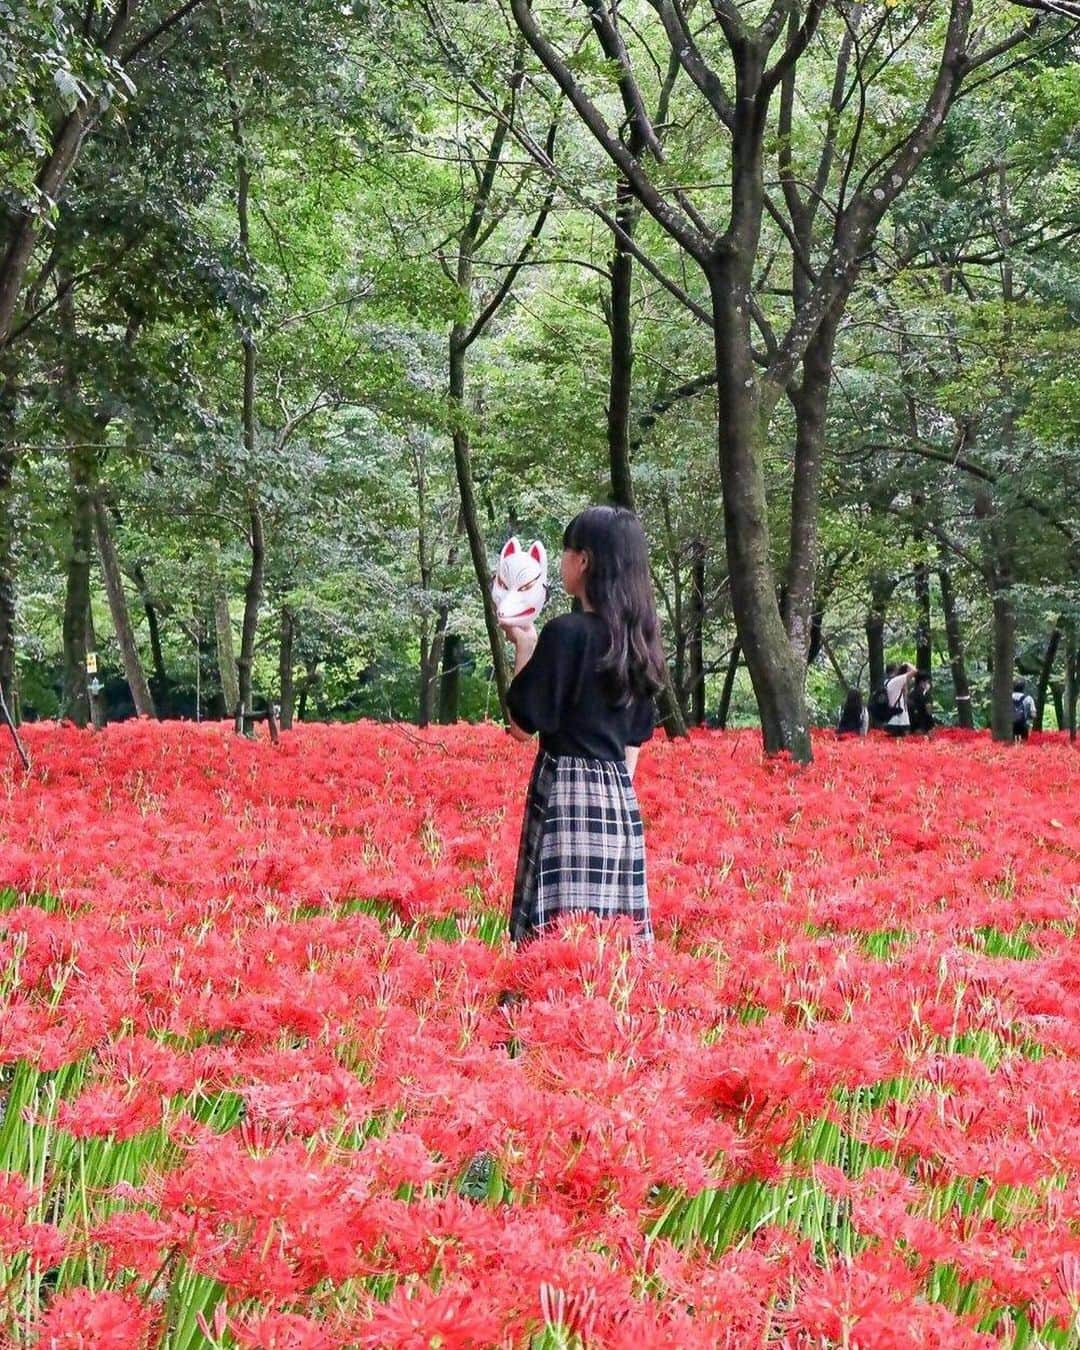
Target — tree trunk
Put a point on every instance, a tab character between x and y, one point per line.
450	679
429	671
1004	643
670	700
431	659
95	688
679	663
253	593
724	707
1045	671
462	334
118	608
429	666
696	643
286	683
954	636
998	534
469	515
817	635
810	402
157	656
1072	679
7	573
153	624
307	684
423	708
924	654
226	657
777	674
27	224
426	559
620	383
75	699
881	589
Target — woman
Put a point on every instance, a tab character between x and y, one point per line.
586	684
854	719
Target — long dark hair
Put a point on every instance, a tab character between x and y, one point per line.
852	711
619	588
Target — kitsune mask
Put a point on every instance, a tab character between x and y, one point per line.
519	587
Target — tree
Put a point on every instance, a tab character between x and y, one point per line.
394	307
94	58
763	56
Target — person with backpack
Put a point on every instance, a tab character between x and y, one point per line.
854	719
878	707
888	703
921	718
1023	711
889	706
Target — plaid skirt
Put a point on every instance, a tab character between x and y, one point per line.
582	846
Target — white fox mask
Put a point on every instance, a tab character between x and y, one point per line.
519	587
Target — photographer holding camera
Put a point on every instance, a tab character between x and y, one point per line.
898	689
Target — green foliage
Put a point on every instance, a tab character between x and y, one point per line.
364	131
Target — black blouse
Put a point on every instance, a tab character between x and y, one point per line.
560	694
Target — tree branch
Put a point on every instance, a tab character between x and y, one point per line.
1065	9
731	24
613	47
984	475
170	21
667	401
671	220
798	44
510	276
858	221
686	50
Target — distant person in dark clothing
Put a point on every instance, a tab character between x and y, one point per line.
919	700
878	707
1023	711
854	719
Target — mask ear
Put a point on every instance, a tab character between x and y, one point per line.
509	548
537	552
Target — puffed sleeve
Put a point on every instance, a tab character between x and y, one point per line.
642	721
539	692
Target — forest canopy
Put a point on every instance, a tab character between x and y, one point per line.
304	309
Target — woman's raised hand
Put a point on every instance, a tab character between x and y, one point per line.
521	635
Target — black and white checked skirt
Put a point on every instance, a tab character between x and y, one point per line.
582	846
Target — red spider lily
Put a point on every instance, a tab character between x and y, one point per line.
105	1110
106	1319
134	1240
872	1303
450	1319
281	1331
42	1244
855	1032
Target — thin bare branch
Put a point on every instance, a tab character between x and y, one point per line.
511	274
675	223
150	37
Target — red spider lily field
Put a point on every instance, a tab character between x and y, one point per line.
259	1088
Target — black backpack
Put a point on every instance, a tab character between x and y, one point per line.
879	707
1020	710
